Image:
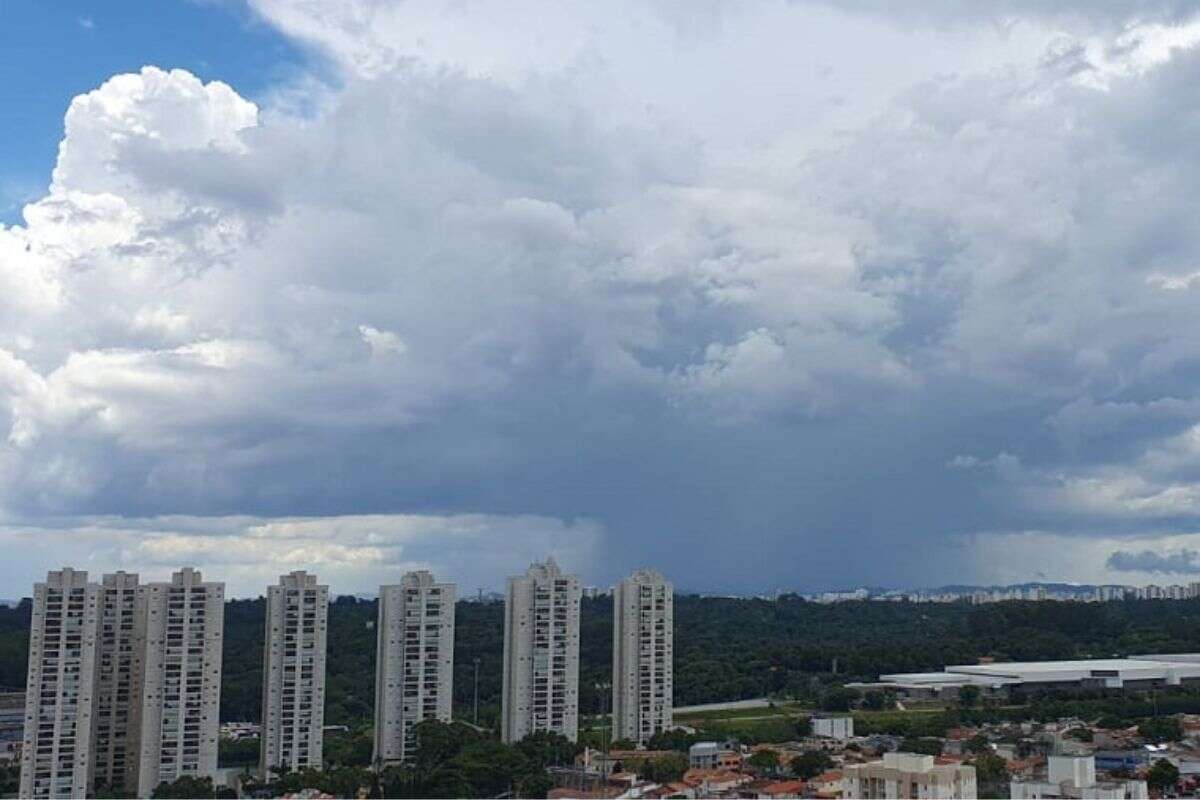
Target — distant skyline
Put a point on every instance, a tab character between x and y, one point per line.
766	294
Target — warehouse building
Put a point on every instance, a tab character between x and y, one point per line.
1135	672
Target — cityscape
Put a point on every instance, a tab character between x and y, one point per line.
1034	592
123	697
599	399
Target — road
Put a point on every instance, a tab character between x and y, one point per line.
760	702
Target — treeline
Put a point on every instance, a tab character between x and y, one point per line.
1111	709
725	648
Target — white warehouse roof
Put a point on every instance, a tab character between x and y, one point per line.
1170	669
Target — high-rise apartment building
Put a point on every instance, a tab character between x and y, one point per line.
56	755
643	641
414	663
116	640
294	673
174	723
541	654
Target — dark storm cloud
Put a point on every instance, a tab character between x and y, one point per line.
1184	562
531	304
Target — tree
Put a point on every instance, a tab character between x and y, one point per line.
877	701
491	767
10	779
991	775
399	781
811	763
184	788
766	761
674	739
1081	734
968	696
623	744
535	784
978	744
353	749
546	749
839	699
1162	776
438	743
237	752
1161	729
666	768
925	746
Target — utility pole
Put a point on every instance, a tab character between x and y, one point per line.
477	692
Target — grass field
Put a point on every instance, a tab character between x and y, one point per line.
780	710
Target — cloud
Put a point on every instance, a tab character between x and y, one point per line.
355	553
382	343
711	311
1111	12
1183	562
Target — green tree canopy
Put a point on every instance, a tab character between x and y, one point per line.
1163	775
1160	729
811	763
764	761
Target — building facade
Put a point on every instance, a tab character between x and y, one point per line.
56	755
833	727
715	755
541	654
294	674
115	656
414	663
908	776
174	720
1075	777
643	640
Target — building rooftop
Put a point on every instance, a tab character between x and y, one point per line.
1166	668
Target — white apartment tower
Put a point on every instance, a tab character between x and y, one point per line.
56	756
541	654
414	663
174	722
116	640
643	640
293	705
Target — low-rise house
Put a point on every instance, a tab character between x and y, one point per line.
1025	768
714	782
1186	759
712	755
821	743
1070	776
775	790
826	785
1007	750
676	790
604	763
1130	760
907	775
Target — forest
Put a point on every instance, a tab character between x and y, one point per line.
725	648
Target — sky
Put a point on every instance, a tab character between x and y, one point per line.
764	294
